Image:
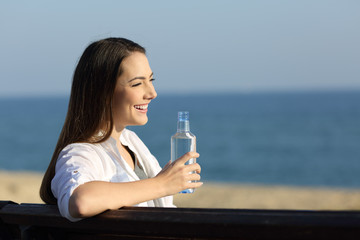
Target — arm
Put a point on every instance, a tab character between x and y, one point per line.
95	197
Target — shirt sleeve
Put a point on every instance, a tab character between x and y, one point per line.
77	164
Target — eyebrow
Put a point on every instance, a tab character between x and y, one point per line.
141	78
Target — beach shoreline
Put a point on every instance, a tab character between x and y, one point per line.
23	187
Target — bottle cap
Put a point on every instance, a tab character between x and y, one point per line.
183	116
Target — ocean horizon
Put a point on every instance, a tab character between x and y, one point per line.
304	138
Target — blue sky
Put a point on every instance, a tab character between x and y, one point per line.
193	46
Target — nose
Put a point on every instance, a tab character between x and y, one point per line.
150	92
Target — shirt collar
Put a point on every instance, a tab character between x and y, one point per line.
111	142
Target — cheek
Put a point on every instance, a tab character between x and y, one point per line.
131	98
124	101
118	102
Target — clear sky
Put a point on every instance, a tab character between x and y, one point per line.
193	46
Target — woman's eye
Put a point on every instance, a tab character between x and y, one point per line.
136	84
139	83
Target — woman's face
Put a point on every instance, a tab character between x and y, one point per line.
133	92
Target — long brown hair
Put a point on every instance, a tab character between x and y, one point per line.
90	104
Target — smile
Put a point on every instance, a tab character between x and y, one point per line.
141	107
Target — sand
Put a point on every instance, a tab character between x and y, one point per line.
240	196
23	187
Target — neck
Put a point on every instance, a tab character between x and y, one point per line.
116	133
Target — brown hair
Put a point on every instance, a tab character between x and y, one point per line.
90	105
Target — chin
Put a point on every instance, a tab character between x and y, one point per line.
141	123
145	122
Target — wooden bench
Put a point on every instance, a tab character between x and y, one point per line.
40	221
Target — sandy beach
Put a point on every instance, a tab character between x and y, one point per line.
23	187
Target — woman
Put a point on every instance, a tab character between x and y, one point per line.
98	164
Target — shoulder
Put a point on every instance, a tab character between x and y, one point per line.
80	153
90	158
78	148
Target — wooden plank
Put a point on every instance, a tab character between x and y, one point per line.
4	203
198	223
8	231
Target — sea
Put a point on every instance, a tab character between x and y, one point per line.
305	138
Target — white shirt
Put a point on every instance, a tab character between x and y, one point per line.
79	163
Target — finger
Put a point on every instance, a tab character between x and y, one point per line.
194	177
194	167
195	184
167	164
186	157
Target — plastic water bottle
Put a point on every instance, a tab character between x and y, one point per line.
183	141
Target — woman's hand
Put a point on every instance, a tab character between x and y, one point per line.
176	176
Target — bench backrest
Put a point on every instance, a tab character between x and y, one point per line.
41	221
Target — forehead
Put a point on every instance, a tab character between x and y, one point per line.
136	63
